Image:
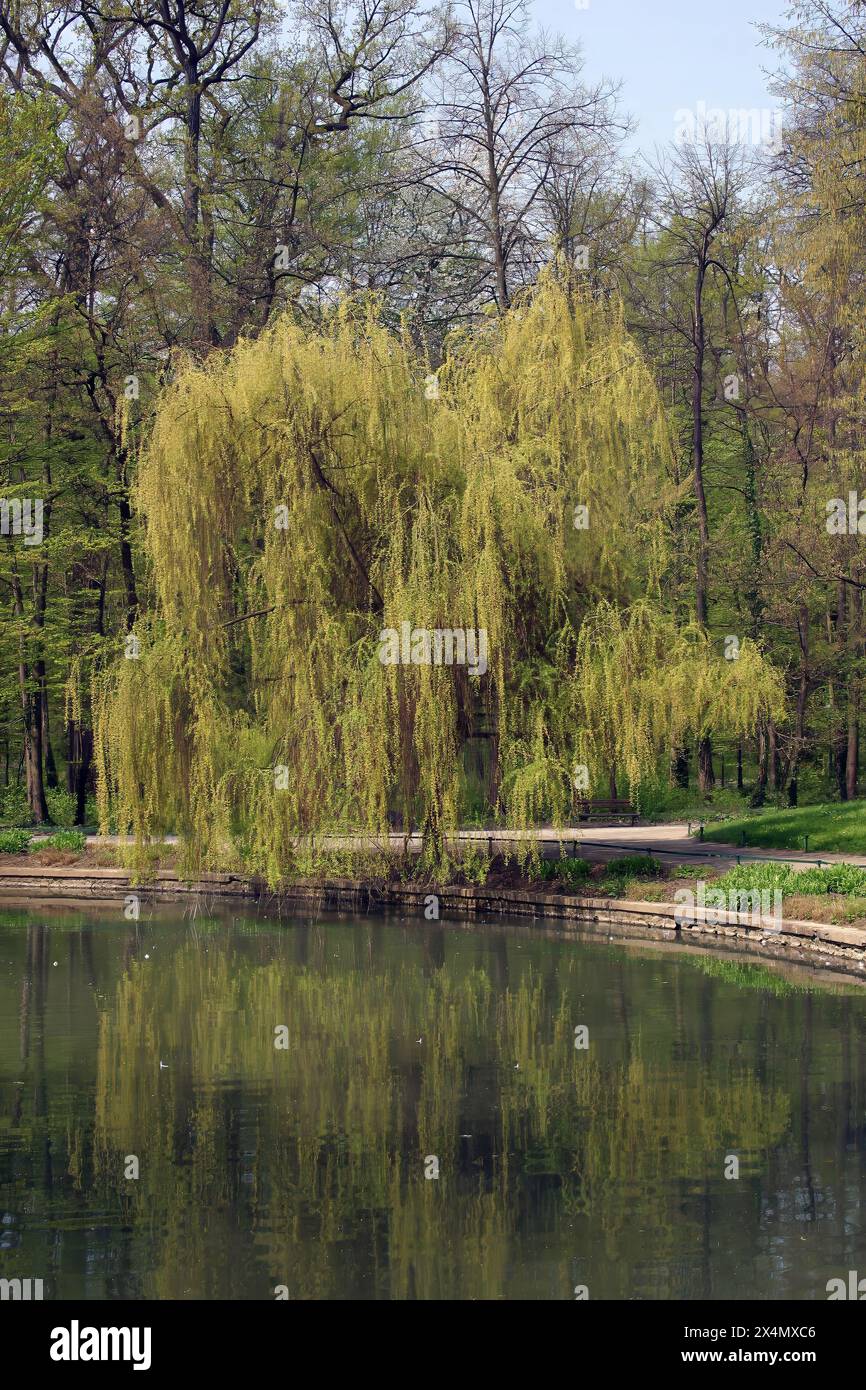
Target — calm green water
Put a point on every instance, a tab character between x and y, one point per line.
406	1042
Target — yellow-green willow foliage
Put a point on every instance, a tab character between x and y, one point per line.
312	489
637	674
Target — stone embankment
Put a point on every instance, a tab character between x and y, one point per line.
813	943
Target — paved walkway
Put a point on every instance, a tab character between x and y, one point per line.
670	843
674	843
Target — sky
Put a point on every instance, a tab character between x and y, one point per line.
671	54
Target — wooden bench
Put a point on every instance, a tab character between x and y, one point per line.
609	806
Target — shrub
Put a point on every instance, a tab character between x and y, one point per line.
843	878
746	877
574	872
14	841
634	866
61	806
74	840
13	805
848	879
621	874
475	865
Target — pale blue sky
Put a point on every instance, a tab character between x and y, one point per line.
671	53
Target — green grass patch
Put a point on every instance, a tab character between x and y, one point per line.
74	840
834	826
634	866
846	879
677	803
14	841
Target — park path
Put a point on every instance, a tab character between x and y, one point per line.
669	843
674	843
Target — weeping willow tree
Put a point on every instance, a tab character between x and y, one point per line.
637	673
363	569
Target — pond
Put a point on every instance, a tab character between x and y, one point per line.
235	1107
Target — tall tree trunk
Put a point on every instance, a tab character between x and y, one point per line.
702	576
31	703
839	754
126	562
51	780
706	776
852	751
759	794
839	726
31	709
802	700
497	239
71	754
84	765
199	269
774	761
680	767
852	757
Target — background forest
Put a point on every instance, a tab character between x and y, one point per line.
190	191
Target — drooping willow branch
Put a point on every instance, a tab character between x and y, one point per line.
527	499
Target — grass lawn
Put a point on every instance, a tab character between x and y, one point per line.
676	805
839	826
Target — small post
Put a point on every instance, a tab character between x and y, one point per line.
700	832
805	844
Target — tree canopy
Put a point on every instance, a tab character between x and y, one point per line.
313	490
